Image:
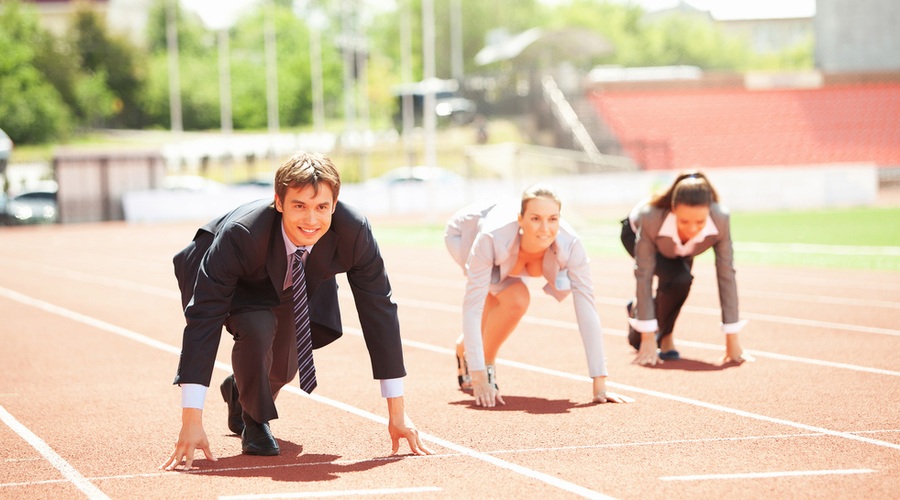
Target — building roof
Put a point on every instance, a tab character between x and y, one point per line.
537	43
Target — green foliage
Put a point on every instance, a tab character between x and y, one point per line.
98	102
92	78
31	109
113	58
798	57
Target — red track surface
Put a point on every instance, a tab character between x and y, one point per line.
91	329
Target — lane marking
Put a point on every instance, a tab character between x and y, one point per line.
761	475
66	469
442	350
143	339
424	304
650	392
167	293
799	321
614	301
485	457
568	325
447	455
822	299
808	248
327	494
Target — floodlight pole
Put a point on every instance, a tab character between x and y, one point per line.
315	56
429	120
177	125
227	123
271	70
456	39
406	76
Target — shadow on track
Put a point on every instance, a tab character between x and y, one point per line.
292	465
528	404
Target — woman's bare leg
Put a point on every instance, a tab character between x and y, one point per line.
502	313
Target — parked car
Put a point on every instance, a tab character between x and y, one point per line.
420	174
6	147
31	207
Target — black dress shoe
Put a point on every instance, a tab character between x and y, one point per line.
257	439
230	394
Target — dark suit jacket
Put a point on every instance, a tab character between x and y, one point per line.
237	263
648	243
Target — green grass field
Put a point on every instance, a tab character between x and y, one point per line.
856	238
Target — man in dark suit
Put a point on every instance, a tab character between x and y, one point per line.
236	274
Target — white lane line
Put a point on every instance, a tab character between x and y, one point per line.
821	299
418	280
650	392
540	476
55	460
424	304
518	451
168	293
329	494
87	320
811	248
569	325
143	339
799	321
762	475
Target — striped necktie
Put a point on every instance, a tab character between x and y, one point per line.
305	366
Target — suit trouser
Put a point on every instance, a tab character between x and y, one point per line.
674	280
264	357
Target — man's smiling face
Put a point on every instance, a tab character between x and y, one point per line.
306	214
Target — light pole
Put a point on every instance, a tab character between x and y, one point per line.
227	123
456	39
316	21
429	120
177	126
406	75
271	70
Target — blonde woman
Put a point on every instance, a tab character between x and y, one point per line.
498	250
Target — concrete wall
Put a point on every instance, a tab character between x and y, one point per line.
741	189
857	35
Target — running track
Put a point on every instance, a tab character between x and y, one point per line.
91	329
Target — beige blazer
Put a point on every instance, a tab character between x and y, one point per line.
484	241
647	225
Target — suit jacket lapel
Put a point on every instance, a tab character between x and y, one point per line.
276	261
317	263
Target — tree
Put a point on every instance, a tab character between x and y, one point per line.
31	108
113	59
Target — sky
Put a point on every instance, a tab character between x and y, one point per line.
219	13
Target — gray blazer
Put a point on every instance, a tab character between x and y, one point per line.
648	242
484	241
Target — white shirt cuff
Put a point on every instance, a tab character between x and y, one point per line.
731	328
193	395
391	387
645	325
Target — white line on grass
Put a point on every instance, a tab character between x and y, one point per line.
55	460
762	475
